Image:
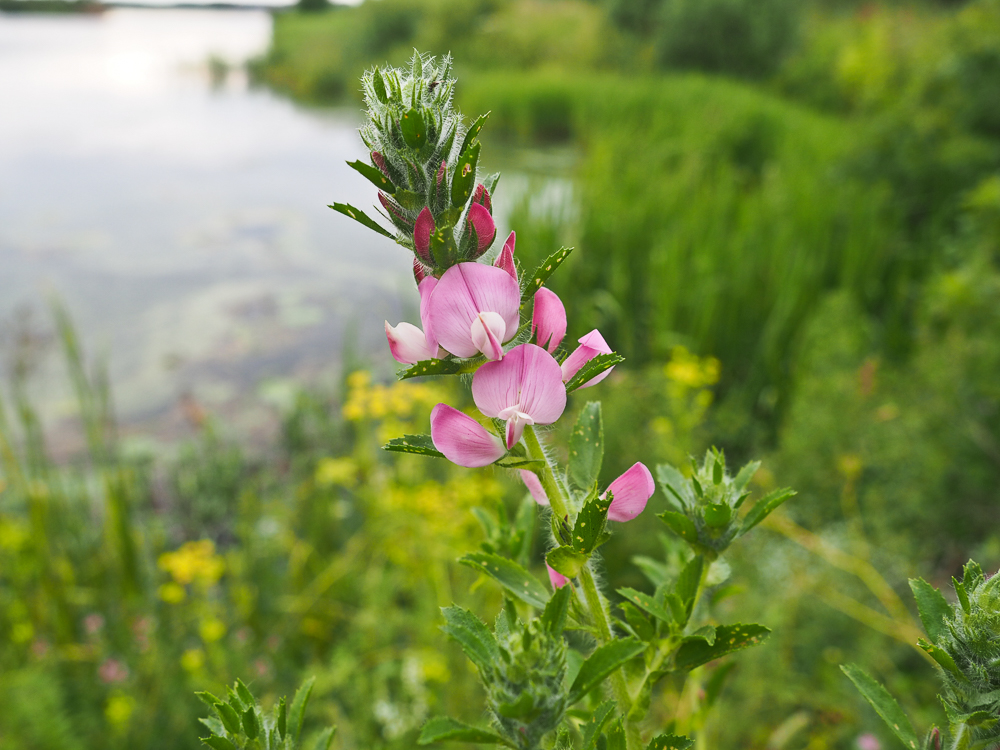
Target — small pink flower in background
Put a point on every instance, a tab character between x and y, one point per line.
868	742
112	671
590	346
39	648
422	231
482	197
557	579
93	623
479	218
462	439
548	320
261	667
474	309
407	343
505	259
534	485
524	388
630	493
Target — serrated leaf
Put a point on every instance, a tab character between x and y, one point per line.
593	728
464	180
646	603
373	175
325	739
420	444
297	711
519	582
431	367
932	606
413	128
230	719
706	634
218	743
557	610
542	273
605	660
443	729
588	530
586	447
764	507
728	639
566	560
473	132
941	656
884	704
681	525
361	217
593	368
669	742
472	635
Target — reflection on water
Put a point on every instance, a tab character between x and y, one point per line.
184	224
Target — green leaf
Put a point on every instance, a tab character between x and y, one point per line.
718	515
431	367
566	560
361	217
593	368
605	660
728	639
473	132
686	586
464	179
706	634
542	273
443	729
519	462
410	199
681	525
586	447
941	656
419	444
640	624
883	703
983	719
230	719
616	735
963	597
297	712
208	699
557	610
523	708
443	247
593	728
245	695
669	742
764	507
214	725
745	475
218	743
519	582
674	485
713	688
325	739
933	607
588	530
414	129
373	175
281	713
250	727
472	635
378	86
646	603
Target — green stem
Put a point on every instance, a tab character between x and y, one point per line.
598	612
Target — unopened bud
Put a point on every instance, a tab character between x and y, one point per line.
379	161
482	197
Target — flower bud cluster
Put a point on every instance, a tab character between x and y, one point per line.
526	690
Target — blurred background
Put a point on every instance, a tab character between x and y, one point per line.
786	215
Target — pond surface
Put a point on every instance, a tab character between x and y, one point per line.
181	220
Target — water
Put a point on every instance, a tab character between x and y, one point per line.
183	222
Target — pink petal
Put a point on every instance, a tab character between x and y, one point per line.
506	258
487	333
425	288
480	220
482	196
462	439
534	485
548	319
419	271
408	343
465	290
590	346
528	378
557	579
631	491
422	234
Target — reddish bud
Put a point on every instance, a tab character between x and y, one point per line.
440	174
422	231
419	271
379	161
482	197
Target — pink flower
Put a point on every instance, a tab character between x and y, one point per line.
462	439
505	259
524	388
590	346
482	196
474	308
557	579
408	343
479	219
112	671
548	320
630	493
534	485
868	742
422	231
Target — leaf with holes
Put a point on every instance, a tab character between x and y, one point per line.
884	704
728	639
431	367
361	217
419	444
464	179
473	132
593	368
588	531
542	273
519	582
